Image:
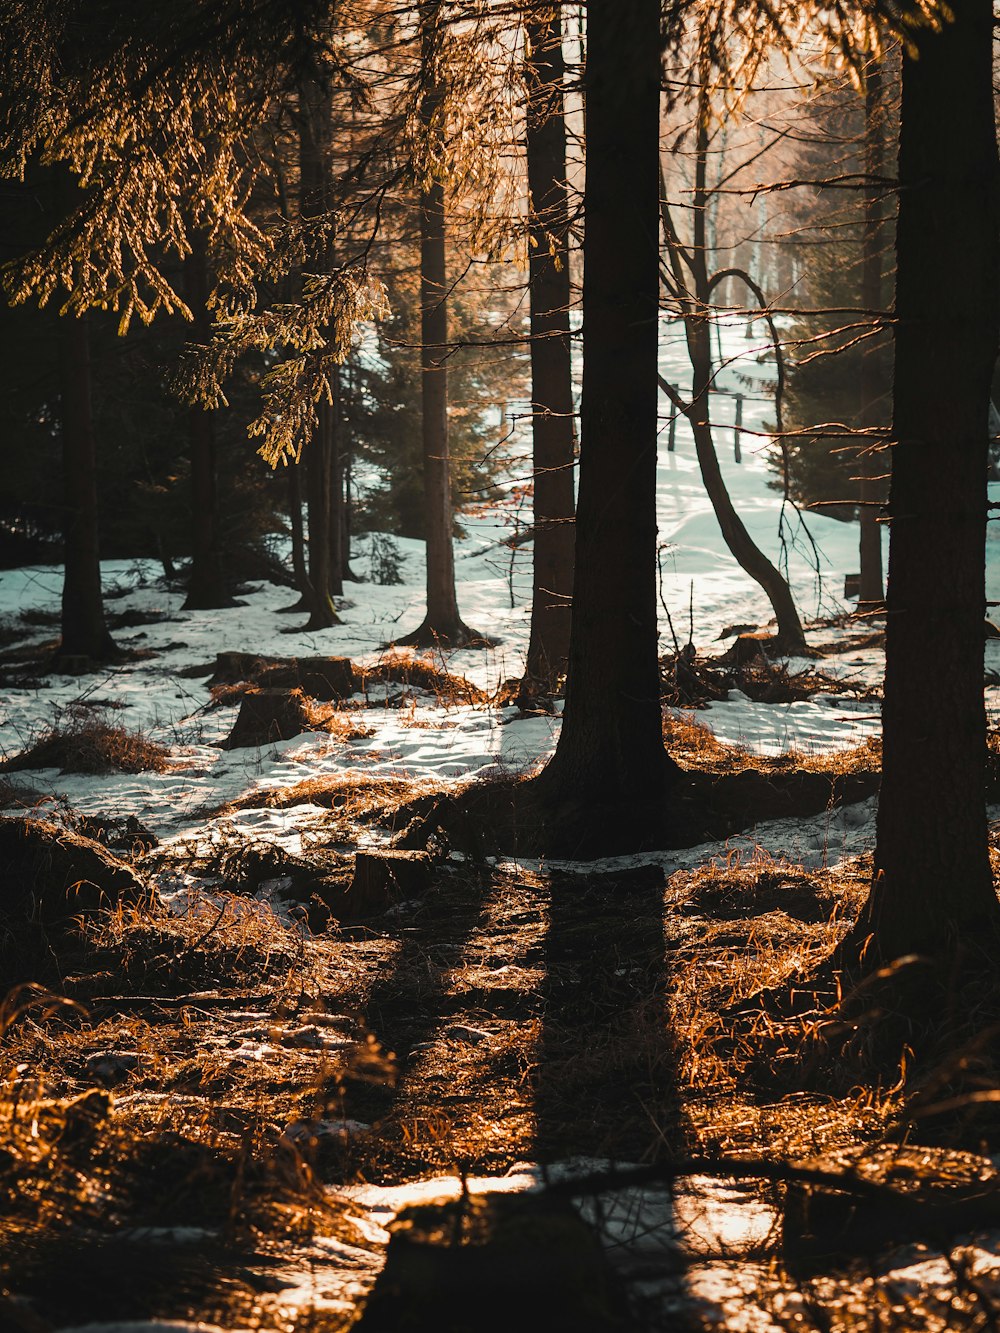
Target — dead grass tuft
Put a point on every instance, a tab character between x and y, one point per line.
420	673
328	717
82	743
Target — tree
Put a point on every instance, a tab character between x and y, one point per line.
84	631
932	882
690	287
610	774
314	204
871	380
552	421
442	622
206	583
840	371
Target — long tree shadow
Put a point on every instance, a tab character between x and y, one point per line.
408	1001
606	1089
606	1083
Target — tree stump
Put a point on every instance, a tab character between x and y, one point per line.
51	874
381	879
232	667
327	678
324	678
266	716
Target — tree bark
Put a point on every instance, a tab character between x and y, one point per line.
442	622
932	872
610	757
553	433
206	583
870	591
84	631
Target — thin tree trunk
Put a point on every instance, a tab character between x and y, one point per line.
932	871
206	583
698	331
314	167
609	777
321	613
870	592
336	494
84	631
553	431
442	622
299	569
345	532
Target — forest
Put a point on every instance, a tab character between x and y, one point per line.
499	689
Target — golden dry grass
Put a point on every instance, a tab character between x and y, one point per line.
83	743
416	670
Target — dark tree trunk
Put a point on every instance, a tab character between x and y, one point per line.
610	774
442	622
698	331
551	364
206	584
314	201
345	530
870	591
321	612
932	872
336	494
298	537
84	632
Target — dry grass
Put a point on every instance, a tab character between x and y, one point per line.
83	743
335	721
691	742
418	672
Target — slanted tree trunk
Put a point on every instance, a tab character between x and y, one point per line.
84	632
553	433
870	591
442	623
206	583
610	773
698	332
932	872
314	190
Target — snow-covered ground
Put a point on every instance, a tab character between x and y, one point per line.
699	579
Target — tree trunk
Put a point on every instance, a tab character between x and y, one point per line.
932	872
321	612
442	622
84	632
698	331
610	773
206	584
314	167
297	534
553	432
870	591
336	494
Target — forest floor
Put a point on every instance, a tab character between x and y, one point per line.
215	1101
